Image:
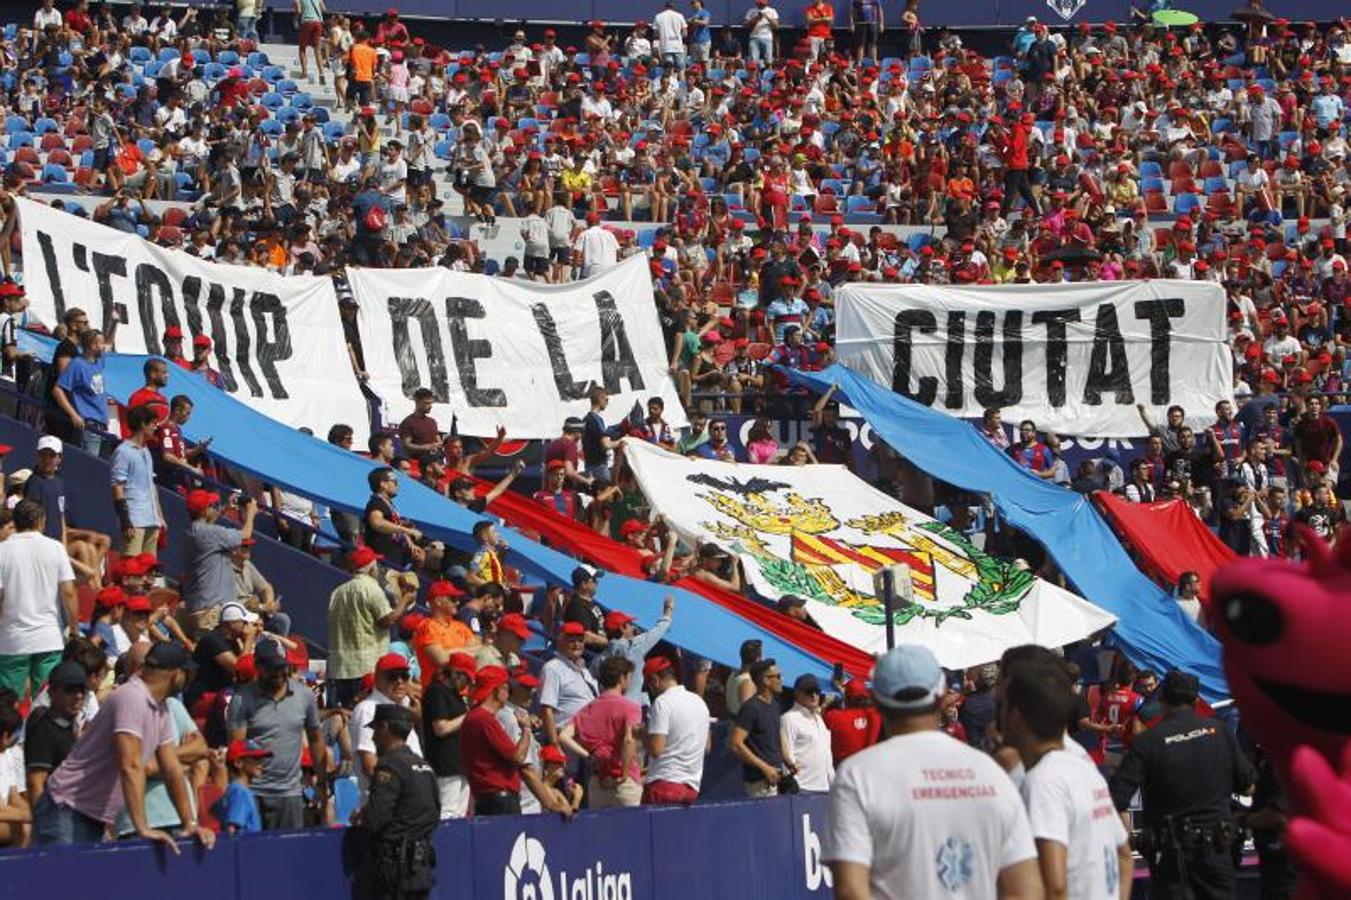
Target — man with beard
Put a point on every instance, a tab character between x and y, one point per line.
278	712
106	771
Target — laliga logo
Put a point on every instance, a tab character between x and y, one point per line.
817	874
527	877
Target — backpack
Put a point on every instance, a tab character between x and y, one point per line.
376	218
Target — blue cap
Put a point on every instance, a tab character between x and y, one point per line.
908	668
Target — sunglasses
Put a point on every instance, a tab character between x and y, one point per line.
403	675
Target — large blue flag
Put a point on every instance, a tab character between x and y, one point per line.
306	465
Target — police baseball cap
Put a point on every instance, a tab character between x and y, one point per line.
807	684
1181	687
392	713
908	677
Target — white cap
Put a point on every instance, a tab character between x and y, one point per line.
235	612
20	476
49	442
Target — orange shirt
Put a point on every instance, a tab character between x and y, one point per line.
961	188
820	29
363	58
449	636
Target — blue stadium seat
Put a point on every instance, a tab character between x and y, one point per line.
441	122
1287	138
320	114
334	131
918	240
168	53
145	145
15	124
288	114
1186	203
271	127
54	174
44	125
151	69
1215	183
140	55
257	59
19	139
213	71
287	87
200	57
227	58
273	74
1151	167
1221	125
443	149
273	101
302	101
126	91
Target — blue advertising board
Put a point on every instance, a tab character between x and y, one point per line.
748	849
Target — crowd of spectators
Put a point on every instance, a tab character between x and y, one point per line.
181	699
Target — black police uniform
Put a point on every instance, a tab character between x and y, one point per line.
401	812
1188	767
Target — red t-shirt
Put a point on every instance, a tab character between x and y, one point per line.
1117	707
488	755
169	439
152	398
600	727
852	728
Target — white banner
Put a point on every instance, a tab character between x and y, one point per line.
518	354
276	340
820	533
1074	358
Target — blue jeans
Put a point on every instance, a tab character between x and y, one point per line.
278	623
55	823
91	437
247	28
761	49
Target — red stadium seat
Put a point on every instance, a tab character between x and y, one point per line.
82	143
84	176
758	350
1156	202
52	140
175	216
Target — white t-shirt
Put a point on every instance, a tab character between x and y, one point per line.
1068	802
599	249
764	24
682	717
1072	747
363	738
670	28
929	816
807	738
12	772
32	568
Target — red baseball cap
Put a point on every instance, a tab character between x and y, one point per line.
443	589
172	333
362	557
514	623
521	675
656	664
111	596
463	662
201	340
632	526
616	619
573	629
199	501
487	680
392	662
855	687
139	604
242	749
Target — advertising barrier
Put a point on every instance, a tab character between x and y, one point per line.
750	850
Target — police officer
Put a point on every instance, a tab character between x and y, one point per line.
401	812
1188	767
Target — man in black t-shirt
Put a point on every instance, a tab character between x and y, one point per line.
581	606
598	439
381	528
1324	515
831	442
443	710
218	651
51	731
755	739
